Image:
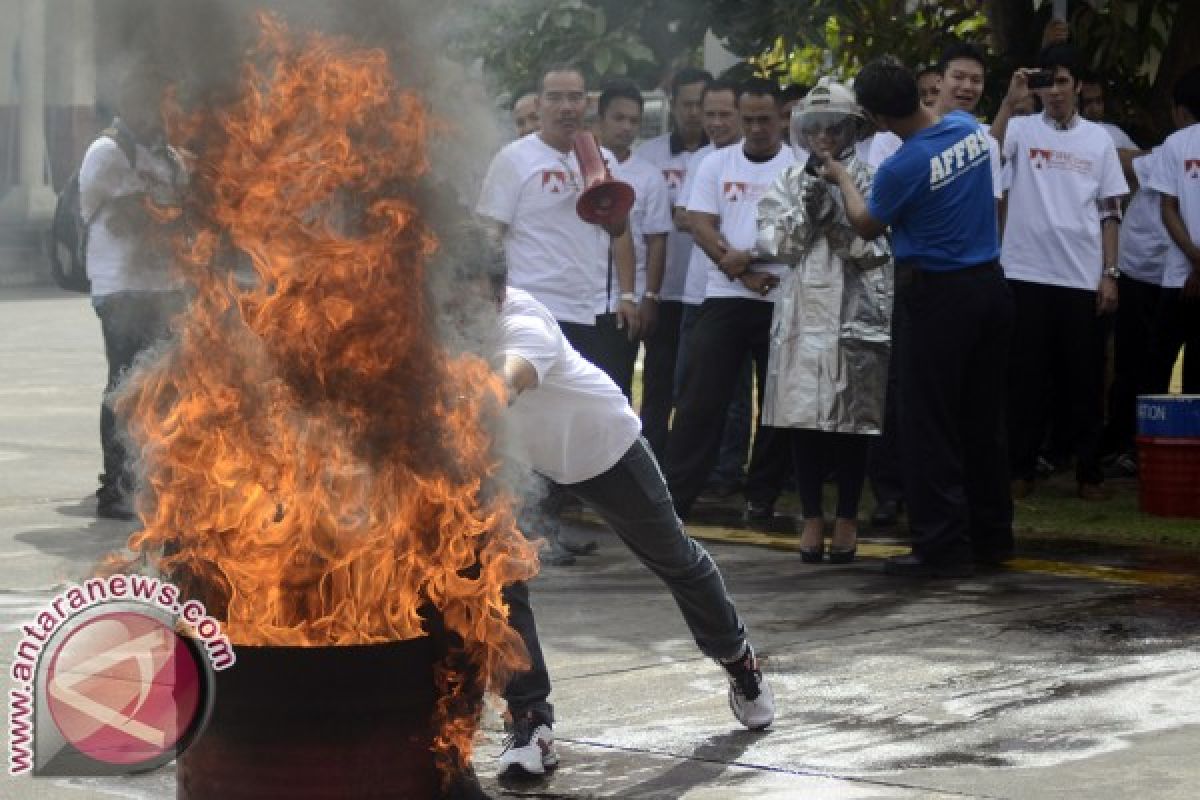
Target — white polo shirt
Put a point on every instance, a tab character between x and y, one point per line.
1177	173
675	169
122	263
1052	235
576	424
729	185
553	254
650	215
698	261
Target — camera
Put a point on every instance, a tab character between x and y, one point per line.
814	164
1041	79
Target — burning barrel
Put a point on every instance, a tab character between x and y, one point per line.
319	722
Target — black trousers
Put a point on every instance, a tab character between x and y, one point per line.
131	323
815	453
885	463
1057	334
1132	373
726	331
606	346
953	385
658	376
1177	324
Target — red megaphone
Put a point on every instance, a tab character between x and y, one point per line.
604	200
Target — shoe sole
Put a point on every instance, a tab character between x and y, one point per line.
761	727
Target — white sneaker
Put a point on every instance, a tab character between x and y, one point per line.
750	697
529	750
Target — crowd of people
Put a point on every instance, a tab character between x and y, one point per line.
1091	249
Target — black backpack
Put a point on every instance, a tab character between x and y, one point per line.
69	231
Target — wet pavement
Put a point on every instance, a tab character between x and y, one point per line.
1076	674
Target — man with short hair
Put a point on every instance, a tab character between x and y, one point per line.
618	120
735	319
1177	178
135	289
675	155
962	72
524	114
530	195
1092	107
1060	256
936	194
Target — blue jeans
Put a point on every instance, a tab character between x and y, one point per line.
632	498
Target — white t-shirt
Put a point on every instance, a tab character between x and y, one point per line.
675	168
651	214
885	144
698	261
1177	173
1119	137
576	424
121	263
1052	235
1144	238
553	254
729	185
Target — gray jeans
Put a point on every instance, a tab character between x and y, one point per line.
632	498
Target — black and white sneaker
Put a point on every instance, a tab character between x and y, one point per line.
750	697
529	749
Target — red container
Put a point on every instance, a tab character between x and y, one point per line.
1169	476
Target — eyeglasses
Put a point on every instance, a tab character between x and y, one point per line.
561	98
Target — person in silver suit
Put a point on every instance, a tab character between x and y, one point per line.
830	337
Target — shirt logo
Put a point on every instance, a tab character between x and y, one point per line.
554	181
959	158
1040	158
734	190
1191	167
1059	160
674	178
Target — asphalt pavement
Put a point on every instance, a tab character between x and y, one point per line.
1075	674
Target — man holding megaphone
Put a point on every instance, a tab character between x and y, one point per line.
563	223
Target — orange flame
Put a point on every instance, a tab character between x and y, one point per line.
317	467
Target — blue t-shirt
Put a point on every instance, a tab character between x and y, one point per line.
936	194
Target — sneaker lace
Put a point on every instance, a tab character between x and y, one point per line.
522	733
746	677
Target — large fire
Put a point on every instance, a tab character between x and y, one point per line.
318	467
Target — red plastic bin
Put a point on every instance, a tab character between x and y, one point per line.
1169	476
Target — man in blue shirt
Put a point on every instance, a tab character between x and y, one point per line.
936	195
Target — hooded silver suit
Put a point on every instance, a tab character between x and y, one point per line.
831	333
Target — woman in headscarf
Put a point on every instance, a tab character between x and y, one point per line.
827	371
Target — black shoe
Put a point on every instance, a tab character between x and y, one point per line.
912	566
813	555
584	548
886	514
842	555
557	555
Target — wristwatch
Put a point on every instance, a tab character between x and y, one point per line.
650	296
1112	271
629	297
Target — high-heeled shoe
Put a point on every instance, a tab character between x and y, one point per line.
843	555
813	555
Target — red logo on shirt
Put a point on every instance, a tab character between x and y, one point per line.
554	181
734	190
673	177
1191	167
1040	158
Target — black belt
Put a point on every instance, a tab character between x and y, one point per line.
919	274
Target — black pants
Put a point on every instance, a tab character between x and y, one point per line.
658	376
1057	333
814	453
885	463
632	498
1132	373
606	346
1177	324
726	331
131	323
953	385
